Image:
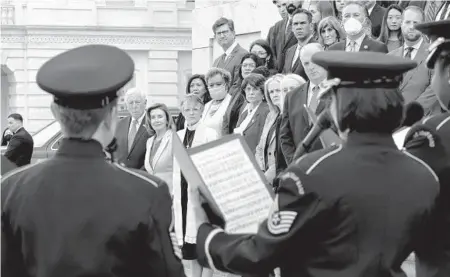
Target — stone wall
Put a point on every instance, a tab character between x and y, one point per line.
252	20
154	33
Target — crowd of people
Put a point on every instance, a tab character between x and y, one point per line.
263	94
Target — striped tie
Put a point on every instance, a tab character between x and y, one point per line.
431	10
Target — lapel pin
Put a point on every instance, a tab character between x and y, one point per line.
366	47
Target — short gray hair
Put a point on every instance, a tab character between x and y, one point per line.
219	71
313	45
133	91
191	98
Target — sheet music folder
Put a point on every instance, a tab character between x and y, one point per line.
230	180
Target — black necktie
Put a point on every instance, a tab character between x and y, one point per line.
409	52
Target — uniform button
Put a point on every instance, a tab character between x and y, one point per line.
128	159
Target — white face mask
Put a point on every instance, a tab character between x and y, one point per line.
218	93
352	26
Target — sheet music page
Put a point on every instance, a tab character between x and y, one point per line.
235	185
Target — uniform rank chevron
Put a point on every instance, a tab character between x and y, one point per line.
281	222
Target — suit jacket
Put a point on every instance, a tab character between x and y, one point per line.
376	17
298	67
233	62
20	148
134	158
420	4
162	163
279	42
231	117
295	123
202	135
252	132
415	85
367	44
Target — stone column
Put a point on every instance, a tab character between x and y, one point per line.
162	77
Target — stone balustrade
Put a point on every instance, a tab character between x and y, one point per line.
104	13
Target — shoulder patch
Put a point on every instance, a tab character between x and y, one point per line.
280	222
131	172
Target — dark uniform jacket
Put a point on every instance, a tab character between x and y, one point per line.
430	141
356	210
78	215
20	148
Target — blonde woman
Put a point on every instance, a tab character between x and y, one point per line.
266	148
289	82
158	155
186	201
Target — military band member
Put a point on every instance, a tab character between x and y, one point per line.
430	141
358	209
76	214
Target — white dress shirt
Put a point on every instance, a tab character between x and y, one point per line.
247	119
297	51
357	45
415	48
443	10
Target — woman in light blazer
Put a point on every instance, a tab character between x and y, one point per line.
219	82
158	155
251	121
266	150
187	206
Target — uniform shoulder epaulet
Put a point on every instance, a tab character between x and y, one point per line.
426	133
138	174
310	161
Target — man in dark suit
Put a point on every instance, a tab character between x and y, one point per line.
404	3
131	133
416	83
280	36
225	36
295	123
355	18
302	27
429	140
376	14
20	147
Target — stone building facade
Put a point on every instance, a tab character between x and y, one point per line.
156	34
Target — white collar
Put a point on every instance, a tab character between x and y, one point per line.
231	48
371	9
415	46
193	127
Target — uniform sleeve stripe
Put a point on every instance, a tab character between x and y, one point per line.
424	164
17	170
207	243
136	174
442	123
321	159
